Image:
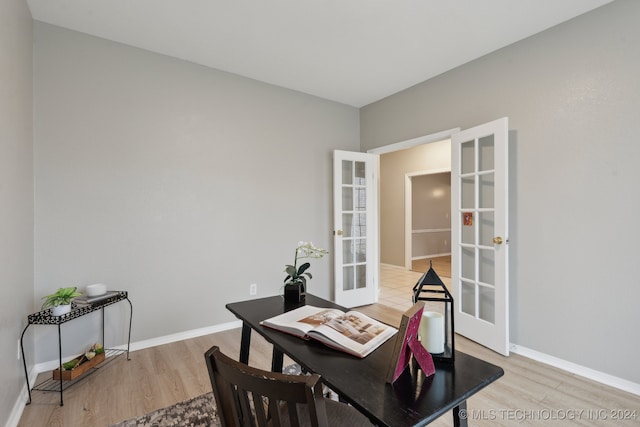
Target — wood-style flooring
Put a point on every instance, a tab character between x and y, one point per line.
530	393
441	265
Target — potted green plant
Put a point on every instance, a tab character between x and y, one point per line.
60	301
296	280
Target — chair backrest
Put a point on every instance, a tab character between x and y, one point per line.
250	397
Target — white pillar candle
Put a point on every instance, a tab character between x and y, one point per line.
432	332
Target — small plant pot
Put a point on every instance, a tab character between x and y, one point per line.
59	310
294	293
78	370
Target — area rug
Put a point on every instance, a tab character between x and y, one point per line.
199	411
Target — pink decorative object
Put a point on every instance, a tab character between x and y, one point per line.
407	344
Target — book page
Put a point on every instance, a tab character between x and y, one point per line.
301	320
355	332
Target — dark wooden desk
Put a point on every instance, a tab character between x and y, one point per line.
413	400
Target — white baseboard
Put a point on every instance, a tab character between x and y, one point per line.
18	407
574	368
416	258
153	342
396	267
21	401
167	339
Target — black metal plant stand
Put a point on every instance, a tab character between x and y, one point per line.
45	317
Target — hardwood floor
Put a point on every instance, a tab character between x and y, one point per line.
530	393
153	378
396	287
441	265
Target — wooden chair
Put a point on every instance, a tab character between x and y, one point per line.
250	397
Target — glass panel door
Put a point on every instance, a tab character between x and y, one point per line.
355	206
479	233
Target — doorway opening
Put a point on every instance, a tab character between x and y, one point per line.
401	165
428	222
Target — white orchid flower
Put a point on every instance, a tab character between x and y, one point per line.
300	274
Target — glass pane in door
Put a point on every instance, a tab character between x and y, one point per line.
347	251
359	225
361	276
467	157
360	247
360	198
486	225
347	172
347	278
486	303
486	266
359	173
347	199
468	298
468	264
486	189
468	228
347	224
468	193
485	153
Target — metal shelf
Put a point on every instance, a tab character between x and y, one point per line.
46	318
54	385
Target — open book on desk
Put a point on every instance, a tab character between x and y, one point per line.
352	332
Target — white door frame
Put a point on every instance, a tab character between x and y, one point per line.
409	143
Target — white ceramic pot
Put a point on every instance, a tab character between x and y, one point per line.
59	310
96	289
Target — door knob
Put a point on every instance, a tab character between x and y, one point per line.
497	240
339	232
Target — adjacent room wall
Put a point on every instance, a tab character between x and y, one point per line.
180	184
430	211
571	95
393	168
16	197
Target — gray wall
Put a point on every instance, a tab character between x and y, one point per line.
178	183
16	194
393	168
572	97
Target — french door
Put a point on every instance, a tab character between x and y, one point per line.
479	259
355	228
479	228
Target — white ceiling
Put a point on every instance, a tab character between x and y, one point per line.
351	51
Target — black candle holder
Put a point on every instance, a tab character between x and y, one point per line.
431	288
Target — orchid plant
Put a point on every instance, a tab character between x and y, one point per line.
299	275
